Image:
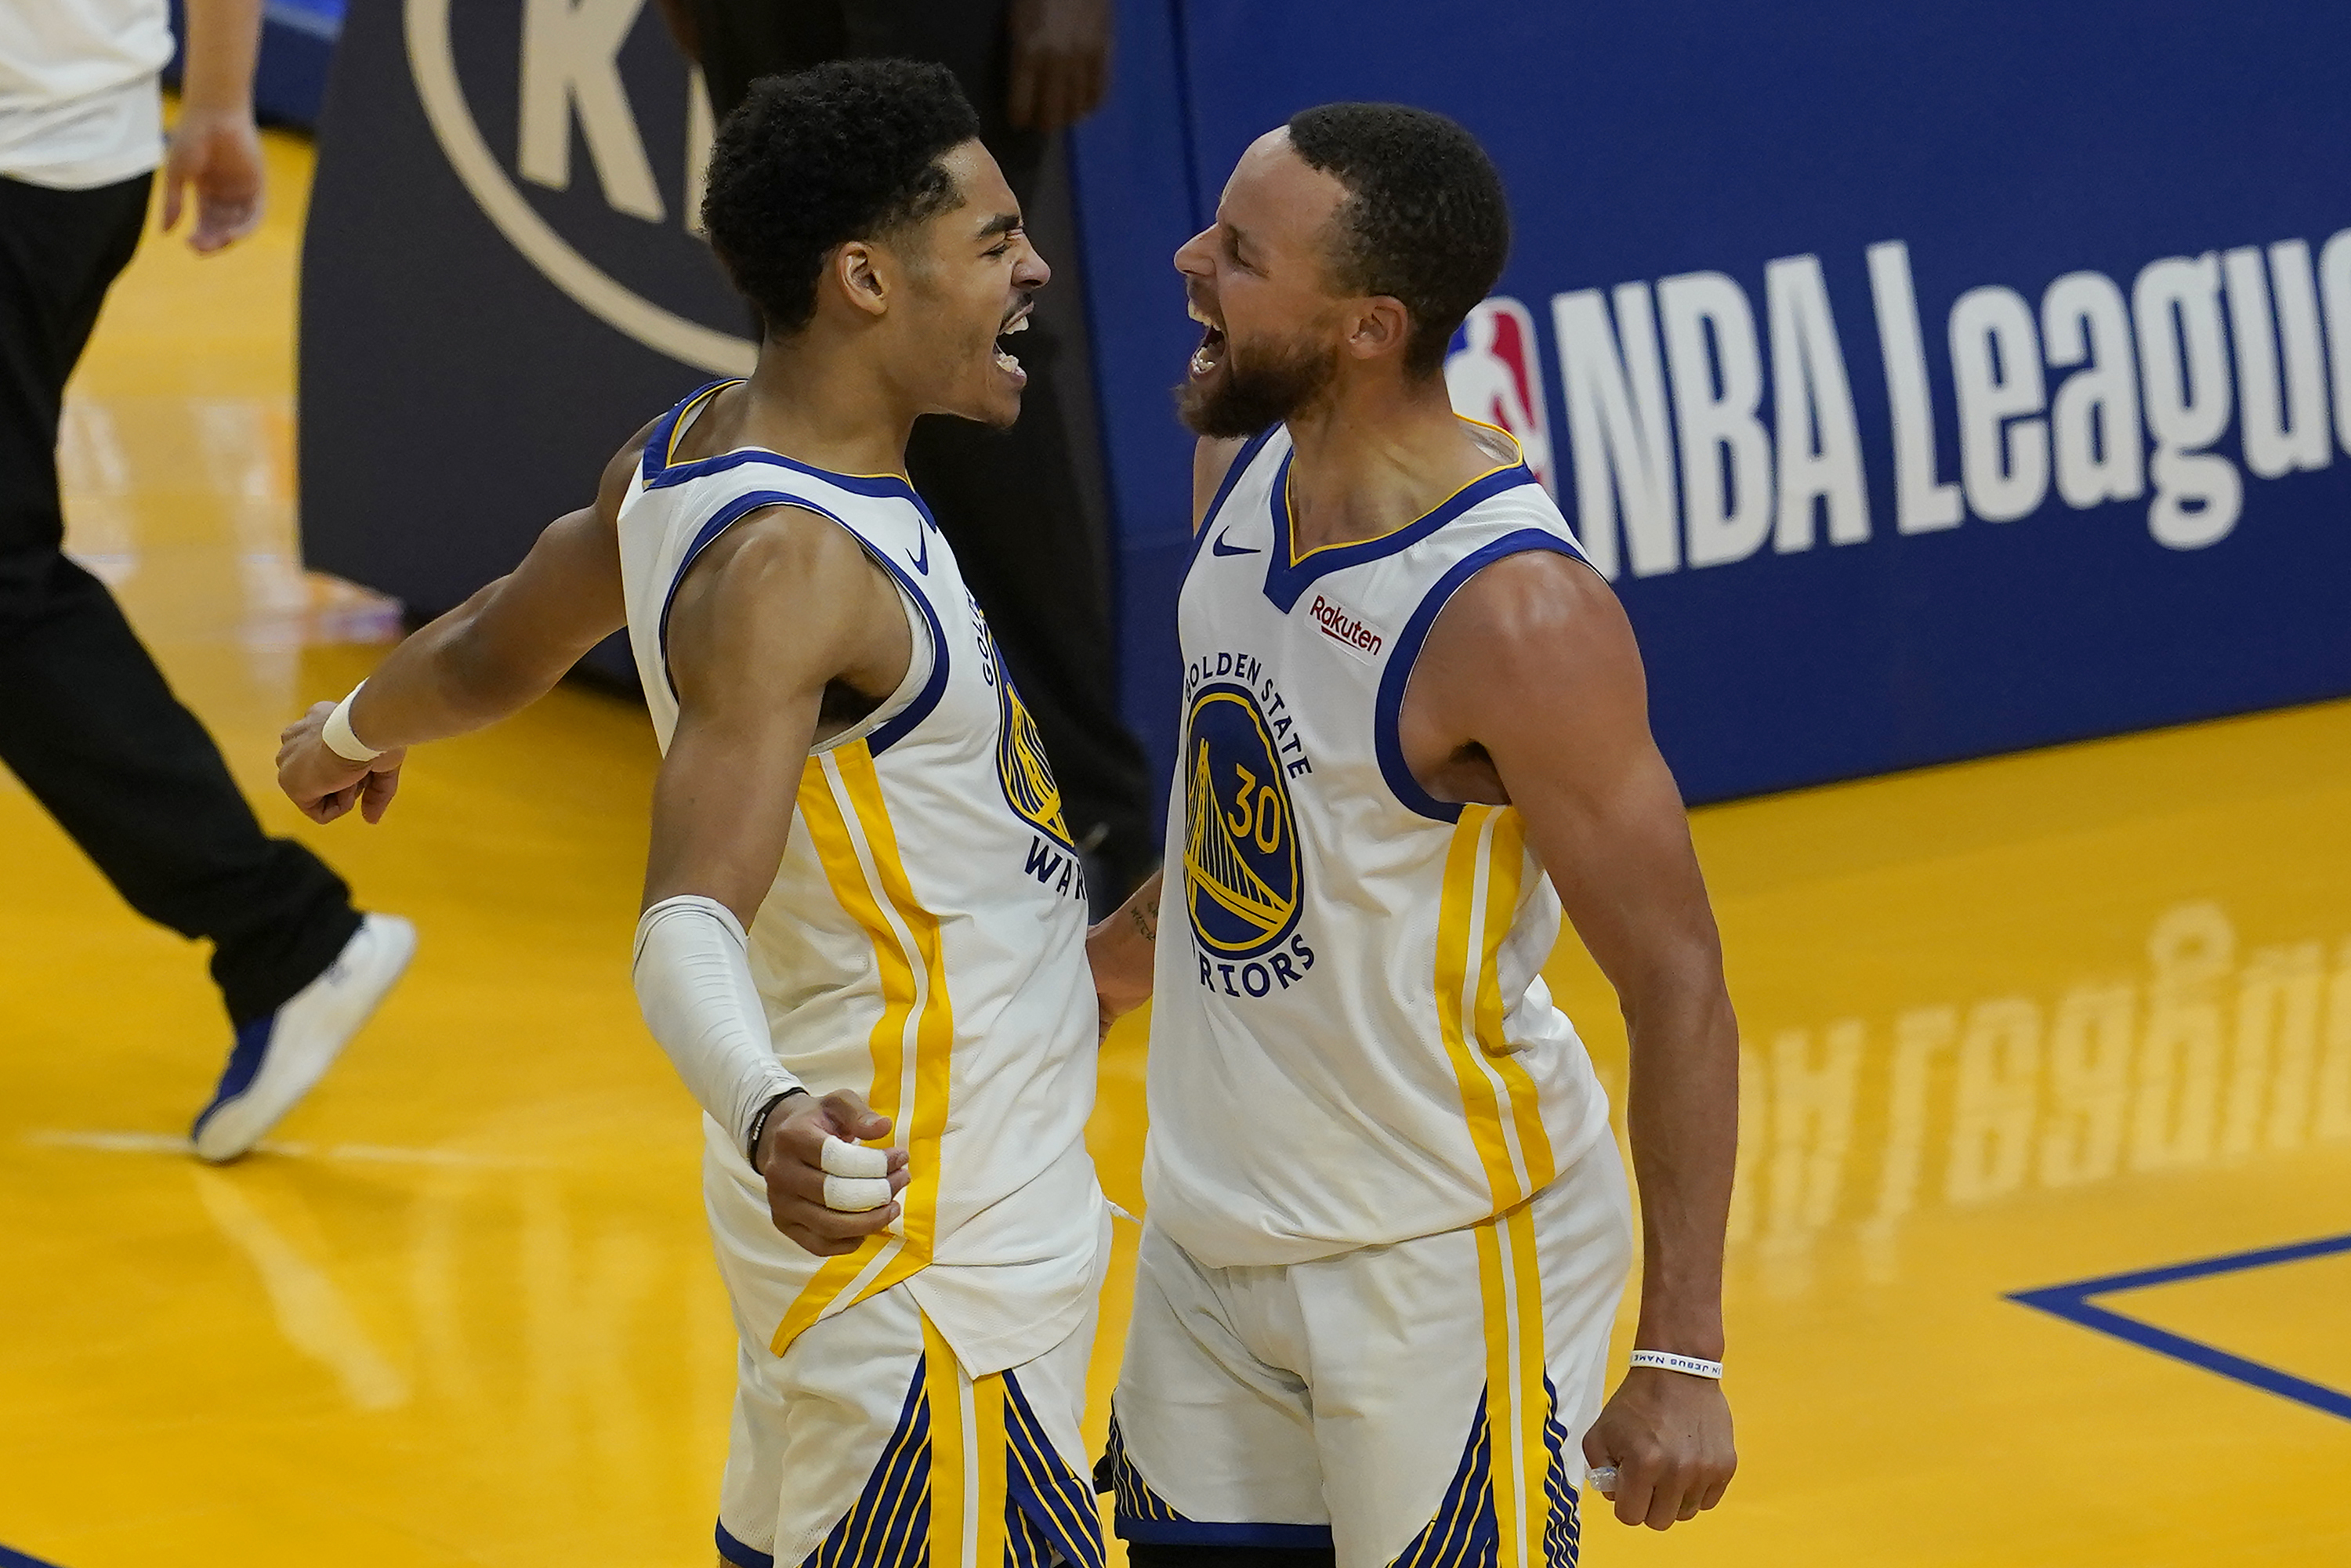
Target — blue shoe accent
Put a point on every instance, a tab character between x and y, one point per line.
279	1059
244	1062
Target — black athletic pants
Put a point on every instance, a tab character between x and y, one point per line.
1026	524
86	719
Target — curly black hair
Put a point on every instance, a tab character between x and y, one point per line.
810	160
1425	220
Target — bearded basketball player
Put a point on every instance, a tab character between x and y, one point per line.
864	924
1388	1229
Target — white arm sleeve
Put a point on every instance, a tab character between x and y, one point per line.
693	985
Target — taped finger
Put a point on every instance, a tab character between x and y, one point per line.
855	1194
841	1158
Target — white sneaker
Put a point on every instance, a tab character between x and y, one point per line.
277	1060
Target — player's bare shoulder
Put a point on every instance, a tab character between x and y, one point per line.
621	472
1536	637
1525	605
787	587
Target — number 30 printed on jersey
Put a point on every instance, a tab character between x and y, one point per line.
1241	869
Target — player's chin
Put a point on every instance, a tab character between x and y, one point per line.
998	405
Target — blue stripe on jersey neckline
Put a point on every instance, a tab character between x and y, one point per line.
898	726
1387	708
658	472
1285	579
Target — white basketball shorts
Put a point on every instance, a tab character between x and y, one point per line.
1418	1404
868	1444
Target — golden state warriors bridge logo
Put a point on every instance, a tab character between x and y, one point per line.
1241	869
1021	764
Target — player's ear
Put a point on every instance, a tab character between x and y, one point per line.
857	274
1381	325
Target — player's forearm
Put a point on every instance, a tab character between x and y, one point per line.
1683	1113
453	678
1124	949
224	41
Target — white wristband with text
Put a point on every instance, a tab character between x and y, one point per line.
337	737
1666	1361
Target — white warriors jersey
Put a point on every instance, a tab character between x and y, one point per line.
923	942
1352	1042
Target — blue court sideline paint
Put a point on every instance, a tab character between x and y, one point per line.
2072	1303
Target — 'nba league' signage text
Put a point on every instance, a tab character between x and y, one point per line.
1931	380
1701	431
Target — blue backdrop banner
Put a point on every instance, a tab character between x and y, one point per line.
1931	381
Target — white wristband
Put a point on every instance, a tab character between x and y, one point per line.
1666	1361
337	735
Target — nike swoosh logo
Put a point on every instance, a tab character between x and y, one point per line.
1218	546
923	561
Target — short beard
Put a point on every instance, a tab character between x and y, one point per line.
1244	401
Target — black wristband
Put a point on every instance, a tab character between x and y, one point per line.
759	1125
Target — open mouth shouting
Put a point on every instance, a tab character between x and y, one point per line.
1016	322
1210	354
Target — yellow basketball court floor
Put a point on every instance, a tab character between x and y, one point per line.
2075	1023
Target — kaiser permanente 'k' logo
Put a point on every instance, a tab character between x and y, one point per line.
1241	876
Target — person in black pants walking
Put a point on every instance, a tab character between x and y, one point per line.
1023	509
86	719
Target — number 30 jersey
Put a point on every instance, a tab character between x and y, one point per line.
1351	1042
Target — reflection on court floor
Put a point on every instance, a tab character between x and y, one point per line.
2046	1020
2209	1053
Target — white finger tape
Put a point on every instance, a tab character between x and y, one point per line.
855	1194
841	1158
1603	1480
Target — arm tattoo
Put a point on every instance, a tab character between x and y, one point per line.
1146	920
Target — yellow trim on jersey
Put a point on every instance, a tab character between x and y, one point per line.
967	1447
1518	1460
1288	495
848	823
1485	868
686	416
1506	866
935	1024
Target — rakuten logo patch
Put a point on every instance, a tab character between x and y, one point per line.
1348	631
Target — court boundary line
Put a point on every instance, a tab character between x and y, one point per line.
2072	1302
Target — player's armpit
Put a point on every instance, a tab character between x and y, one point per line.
780	607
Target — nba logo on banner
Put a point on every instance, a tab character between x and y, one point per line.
1493	375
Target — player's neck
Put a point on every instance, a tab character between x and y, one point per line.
825	407
1372	459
